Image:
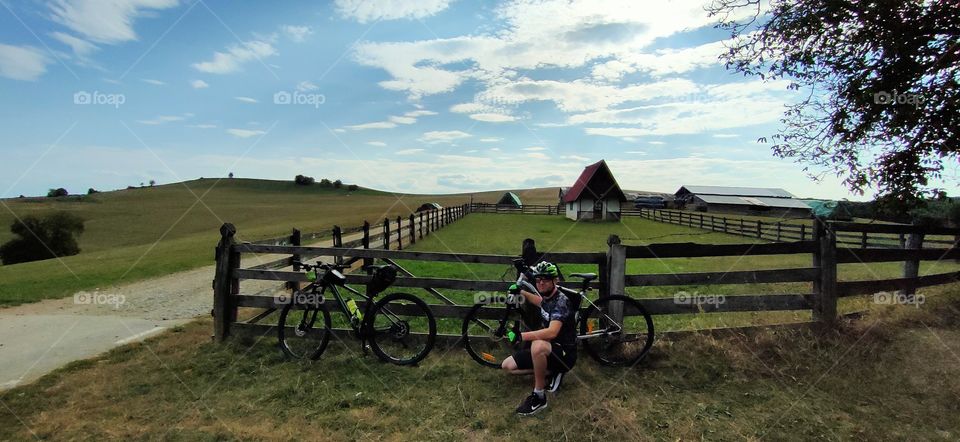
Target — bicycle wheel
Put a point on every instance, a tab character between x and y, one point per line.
401	329
484	333
304	330
611	342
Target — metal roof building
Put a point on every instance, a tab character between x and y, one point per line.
762	201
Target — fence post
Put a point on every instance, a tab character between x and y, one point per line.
399	233
421	225
863	240
778	231
295	240
724	224
386	234
701	221
366	242
911	268
759	229
337	242
413	229
223	283
616	274
803	232
825	287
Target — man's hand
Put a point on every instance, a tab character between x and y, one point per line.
514	335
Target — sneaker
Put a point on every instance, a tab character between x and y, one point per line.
532	404
553	383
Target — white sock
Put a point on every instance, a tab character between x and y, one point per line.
539	392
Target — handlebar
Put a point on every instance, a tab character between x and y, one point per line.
297	265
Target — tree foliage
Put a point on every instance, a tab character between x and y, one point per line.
303	180
879	80
42	238
52	193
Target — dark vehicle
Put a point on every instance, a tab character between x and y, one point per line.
650	202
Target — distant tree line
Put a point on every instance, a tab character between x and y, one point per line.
304	180
44	237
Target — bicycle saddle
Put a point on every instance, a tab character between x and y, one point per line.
587	277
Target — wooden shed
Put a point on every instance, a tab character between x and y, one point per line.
595	195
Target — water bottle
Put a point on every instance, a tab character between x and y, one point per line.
355	313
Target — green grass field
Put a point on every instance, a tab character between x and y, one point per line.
147	232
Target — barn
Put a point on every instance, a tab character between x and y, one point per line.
760	201
595	195
510	199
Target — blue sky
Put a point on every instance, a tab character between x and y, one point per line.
431	96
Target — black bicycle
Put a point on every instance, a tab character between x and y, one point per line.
400	327
615	330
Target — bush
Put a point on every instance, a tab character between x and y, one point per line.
92	191
303	180
337	184
352	187
52	193
42	238
325	183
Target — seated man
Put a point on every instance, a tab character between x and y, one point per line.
553	349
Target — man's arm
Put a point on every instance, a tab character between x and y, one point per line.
546	334
532	298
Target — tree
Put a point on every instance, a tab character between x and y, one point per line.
325	183
92	191
153	183
52	193
303	180
230	175
352	187
337	184
42	238
881	104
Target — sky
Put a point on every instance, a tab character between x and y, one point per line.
427	96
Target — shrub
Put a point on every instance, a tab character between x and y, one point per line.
153	183
352	187
337	184
92	191
42	238
303	180
325	183
230	175
57	192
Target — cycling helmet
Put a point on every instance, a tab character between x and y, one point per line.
546	269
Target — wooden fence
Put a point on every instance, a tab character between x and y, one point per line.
527	209
796	230
821	299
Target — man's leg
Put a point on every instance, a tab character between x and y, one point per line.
540	351
510	366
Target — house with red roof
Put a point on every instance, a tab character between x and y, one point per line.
595	195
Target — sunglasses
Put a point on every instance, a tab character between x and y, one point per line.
542	279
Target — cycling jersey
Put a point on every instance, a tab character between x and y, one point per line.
557	308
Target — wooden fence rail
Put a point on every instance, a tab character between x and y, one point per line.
821	244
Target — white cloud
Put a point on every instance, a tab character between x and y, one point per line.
109	22
202	126
199	84
575	158
81	48
402	120
375	125
306	86
535	148
537	155
636	152
161	120
443	136
656	143
491	139
579	96
152	81
374	10
408	151
235	56
419	113
493	118
22	62
377	143
244	133
296	33
246	99
725	135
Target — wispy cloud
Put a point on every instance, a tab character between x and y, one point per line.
22	62
408	151
365	11
152	81
441	136
199	84
296	33
246	99
235	56
245	133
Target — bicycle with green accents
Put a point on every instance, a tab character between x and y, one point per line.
615	330
399	328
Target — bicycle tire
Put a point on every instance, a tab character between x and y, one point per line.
615	349
399	331
483	345
303	344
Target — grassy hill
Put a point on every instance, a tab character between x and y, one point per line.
144	232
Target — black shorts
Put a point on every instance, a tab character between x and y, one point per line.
560	360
